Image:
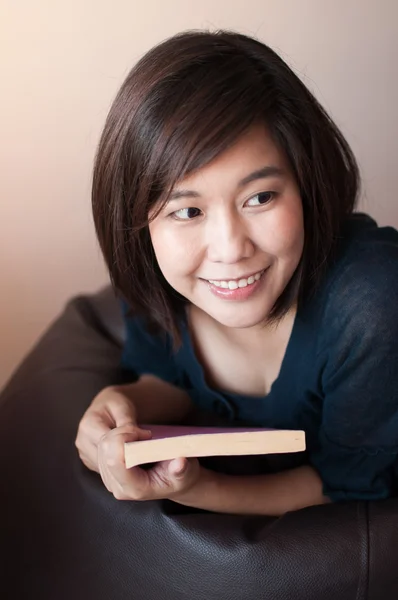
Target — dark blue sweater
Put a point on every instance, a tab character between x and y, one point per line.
339	377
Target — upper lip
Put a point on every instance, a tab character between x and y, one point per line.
251	274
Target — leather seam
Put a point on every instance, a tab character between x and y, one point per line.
367	515
363	522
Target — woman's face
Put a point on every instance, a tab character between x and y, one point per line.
232	235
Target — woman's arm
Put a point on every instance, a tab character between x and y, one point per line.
271	495
187	482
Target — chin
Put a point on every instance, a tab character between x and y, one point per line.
240	320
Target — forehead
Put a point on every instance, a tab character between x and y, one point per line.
255	149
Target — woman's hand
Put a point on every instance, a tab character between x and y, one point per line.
110	408
165	480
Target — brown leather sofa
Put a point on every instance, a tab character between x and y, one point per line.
64	537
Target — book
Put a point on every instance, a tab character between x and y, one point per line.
178	441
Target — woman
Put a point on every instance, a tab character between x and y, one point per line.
223	200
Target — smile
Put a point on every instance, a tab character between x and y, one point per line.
234	284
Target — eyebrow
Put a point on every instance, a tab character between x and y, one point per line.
263	173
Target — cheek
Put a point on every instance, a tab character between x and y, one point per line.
175	251
287	230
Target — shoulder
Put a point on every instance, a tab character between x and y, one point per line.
361	288
367	254
137	329
357	341
146	350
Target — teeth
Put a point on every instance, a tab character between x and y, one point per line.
234	284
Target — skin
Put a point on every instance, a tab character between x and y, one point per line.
235	231
218	229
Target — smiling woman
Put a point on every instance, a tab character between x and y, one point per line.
223	200
184	104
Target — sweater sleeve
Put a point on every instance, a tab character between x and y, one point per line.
357	451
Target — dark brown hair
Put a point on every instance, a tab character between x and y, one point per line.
184	103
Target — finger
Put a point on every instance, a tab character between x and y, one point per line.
170	477
87	452
124	483
89	463
133	432
178	467
165	476
89	432
96	426
87	442
111	446
121	410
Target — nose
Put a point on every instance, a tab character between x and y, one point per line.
229	239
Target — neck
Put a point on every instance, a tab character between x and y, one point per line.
254	339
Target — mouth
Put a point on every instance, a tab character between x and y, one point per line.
238	290
234	284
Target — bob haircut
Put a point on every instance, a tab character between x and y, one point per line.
184	103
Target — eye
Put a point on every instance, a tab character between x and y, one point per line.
261	199
186	214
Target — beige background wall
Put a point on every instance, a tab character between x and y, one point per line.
61	64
